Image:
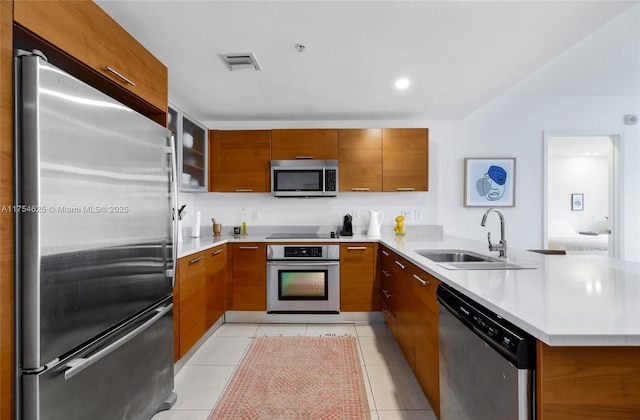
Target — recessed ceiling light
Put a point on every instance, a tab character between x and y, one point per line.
402	83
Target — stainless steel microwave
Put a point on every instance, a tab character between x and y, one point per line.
304	178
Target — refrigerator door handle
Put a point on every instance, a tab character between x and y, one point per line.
78	365
174	203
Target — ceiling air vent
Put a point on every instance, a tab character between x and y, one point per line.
240	62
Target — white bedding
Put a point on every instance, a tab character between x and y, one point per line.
576	241
563	237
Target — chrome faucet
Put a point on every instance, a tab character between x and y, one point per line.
502	246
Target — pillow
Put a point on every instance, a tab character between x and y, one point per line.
560	226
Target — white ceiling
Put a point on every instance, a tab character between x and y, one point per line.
457	54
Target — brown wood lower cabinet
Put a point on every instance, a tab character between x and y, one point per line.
359	288
405	312
389	289
410	309
249	268
588	382
199	296
427	365
191	300
216	283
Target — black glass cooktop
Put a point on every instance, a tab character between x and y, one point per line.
302	236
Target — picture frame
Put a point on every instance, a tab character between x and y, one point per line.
577	202
489	182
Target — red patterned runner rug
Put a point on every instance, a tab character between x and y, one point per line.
296	378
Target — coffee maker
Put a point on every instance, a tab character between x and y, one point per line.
347	226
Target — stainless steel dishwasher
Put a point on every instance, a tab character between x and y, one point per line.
487	365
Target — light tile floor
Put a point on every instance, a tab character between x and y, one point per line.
392	389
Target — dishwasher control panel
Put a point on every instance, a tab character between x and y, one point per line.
513	343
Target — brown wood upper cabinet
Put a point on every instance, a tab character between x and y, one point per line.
304	144
405	159
360	159
239	160
84	31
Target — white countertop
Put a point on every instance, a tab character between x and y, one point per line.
573	300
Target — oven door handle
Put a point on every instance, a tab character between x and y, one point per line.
302	263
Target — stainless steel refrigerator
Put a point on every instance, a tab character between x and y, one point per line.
95	256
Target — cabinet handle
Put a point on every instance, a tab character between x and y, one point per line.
109	69
304	157
301	264
195	260
359	189
217	252
386	273
400	264
385	253
356	248
386	294
423	282
405	189
244	190
248	247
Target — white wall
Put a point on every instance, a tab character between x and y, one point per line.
591	86
564	94
583	175
227	208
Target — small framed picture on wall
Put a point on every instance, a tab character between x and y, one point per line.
577	202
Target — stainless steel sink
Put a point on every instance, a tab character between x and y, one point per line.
454	256
457	259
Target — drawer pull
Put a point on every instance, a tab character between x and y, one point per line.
109	69
244	190
217	252
423	282
405	189
195	260
386	273
400	264
386	294
356	248
360	189
248	247
385	253
304	157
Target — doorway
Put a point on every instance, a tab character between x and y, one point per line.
581	190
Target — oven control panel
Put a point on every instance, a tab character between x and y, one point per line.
303	251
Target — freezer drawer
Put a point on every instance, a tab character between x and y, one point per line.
125	376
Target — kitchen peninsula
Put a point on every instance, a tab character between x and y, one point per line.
583	311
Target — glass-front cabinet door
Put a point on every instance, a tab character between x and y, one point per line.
191	142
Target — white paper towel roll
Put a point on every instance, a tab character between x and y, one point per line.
195	230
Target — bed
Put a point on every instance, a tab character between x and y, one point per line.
563	237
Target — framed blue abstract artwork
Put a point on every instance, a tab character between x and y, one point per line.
489	182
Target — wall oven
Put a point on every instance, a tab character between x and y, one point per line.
303	278
304	178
